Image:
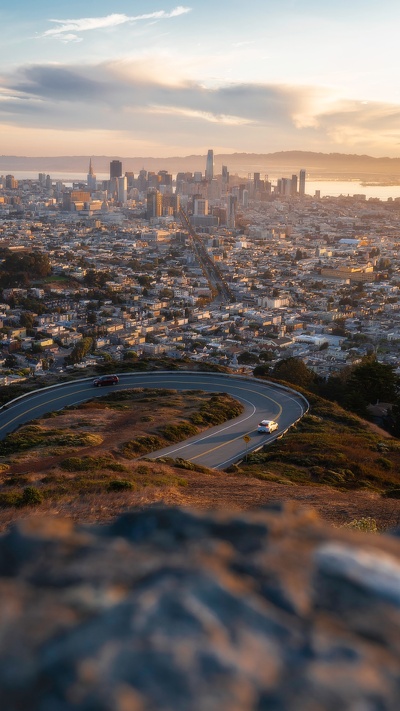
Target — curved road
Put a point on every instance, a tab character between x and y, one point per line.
215	448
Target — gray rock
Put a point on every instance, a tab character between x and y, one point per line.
172	610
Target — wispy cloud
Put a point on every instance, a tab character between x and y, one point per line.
70	30
202	115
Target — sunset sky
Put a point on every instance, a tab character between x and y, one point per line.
148	77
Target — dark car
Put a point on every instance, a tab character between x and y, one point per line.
106	380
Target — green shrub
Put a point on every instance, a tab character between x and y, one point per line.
177	432
119	485
393	493
85	464
83	439
31	496
142	470
10	498
17	480
384	463
141	445
218	409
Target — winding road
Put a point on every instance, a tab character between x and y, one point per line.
215	448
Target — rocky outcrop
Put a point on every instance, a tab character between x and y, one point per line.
172	610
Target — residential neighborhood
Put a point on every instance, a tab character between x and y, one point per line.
120	275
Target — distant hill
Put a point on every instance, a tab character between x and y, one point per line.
318	165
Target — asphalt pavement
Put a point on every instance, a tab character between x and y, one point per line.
216	448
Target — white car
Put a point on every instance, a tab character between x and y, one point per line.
267	426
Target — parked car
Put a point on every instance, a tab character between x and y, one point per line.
106	380
267	426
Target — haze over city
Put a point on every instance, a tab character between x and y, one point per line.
156	78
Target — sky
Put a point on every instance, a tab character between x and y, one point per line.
156	78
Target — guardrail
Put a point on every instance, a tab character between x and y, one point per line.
228	376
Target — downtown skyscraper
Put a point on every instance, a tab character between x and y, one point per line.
210	165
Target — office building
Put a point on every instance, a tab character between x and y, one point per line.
200	206
91	178
122	190
210	165
11	182
302	183
76	200
165	177
231	211
153	180
154	205
170	204
142	180
115	169
130	176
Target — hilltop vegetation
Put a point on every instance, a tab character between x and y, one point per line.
84	462
333	447
355	387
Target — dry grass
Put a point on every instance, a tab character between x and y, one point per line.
77	481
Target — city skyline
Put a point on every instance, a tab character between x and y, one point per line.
164	79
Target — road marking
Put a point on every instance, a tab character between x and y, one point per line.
36	407
218	446
228	427
225	444
235	458
151	381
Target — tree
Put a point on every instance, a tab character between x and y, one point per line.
370	382
79	351
10	361
130	356
265	356
91	317
27	319
294	371
261	370
21	268
144	280
247	358
363	384
96	279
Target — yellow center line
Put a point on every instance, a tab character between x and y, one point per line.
225	444
247	390
36	407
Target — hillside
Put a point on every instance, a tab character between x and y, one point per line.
83	462
318	165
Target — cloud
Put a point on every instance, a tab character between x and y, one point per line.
245	116
65	30
202	115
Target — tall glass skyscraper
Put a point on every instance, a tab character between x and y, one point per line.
302	183
210	165
115	169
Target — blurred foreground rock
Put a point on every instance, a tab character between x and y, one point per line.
167	609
